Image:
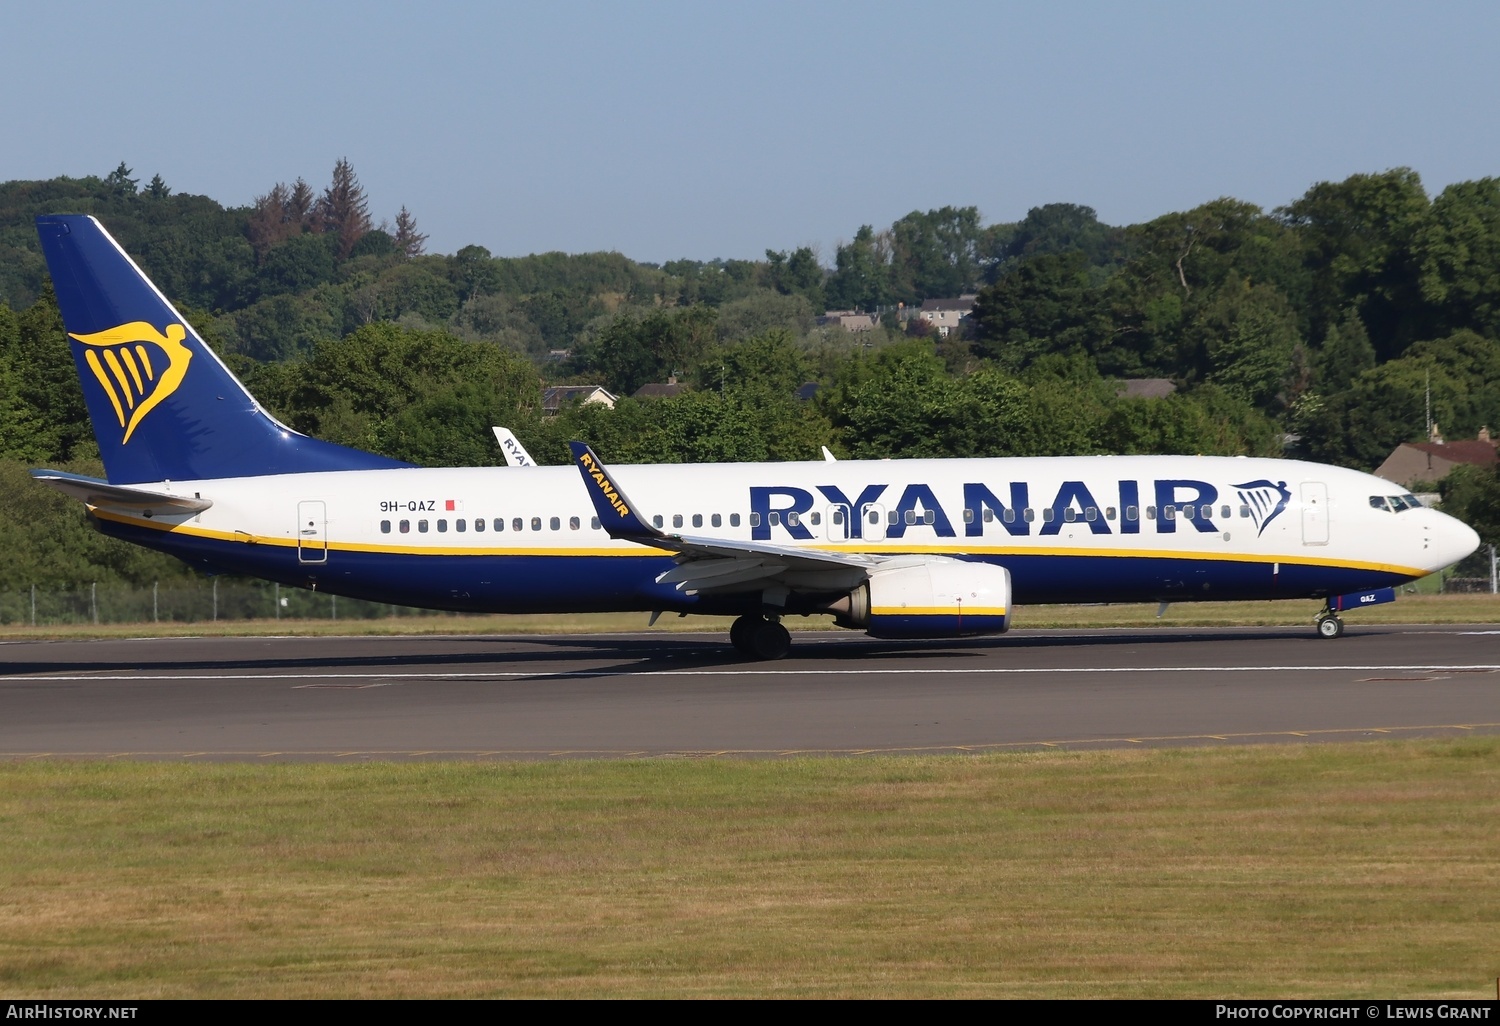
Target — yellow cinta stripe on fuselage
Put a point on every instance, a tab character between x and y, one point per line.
937	610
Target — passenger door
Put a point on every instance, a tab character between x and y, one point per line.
312	532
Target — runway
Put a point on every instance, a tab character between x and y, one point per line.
687	695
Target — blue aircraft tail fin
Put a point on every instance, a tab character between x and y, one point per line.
163	406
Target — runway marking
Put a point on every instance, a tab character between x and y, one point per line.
746	672
636	753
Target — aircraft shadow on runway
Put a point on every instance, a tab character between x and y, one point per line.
544	654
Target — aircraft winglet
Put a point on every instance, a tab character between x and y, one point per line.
616	513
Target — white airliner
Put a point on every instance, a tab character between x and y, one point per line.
899	548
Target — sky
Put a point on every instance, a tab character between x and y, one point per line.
713	129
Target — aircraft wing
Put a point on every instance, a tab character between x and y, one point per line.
718	564
101	493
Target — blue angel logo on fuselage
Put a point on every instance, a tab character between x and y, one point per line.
1265	500
134	377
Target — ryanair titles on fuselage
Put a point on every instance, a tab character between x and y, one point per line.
788	507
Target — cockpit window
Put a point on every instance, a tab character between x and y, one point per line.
1395	503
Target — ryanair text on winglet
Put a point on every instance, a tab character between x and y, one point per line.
611	495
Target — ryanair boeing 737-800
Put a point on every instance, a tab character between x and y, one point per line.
900	548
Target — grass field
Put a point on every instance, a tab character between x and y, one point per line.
1408	609
1360	870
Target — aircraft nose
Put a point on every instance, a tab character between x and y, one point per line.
1451	540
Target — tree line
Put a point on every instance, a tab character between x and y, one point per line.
1317	329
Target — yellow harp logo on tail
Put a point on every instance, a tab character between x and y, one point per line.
134	376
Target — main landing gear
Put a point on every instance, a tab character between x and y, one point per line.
1329	624
759	637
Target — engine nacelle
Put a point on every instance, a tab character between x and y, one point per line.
930	597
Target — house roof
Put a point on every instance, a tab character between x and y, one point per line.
963	303
1431	461
659	390
555	396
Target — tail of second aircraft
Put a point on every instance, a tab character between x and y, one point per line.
163	406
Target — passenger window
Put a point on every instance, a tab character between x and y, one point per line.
717	520
1150	512
1169	512
676	519
734	520
874	517
1109	513
774	517
1224	512
1206	513
656	520
1049	515
911	517
894	518
385	527
968	515
406	527
1092	513
697	519
594	523
1009	517
421	527
536	523
816	518
462	526
1070	514
792	519
1029	515
929	516
517	524
1244	512
442	527
573	523
1187	512
754	519
479	524
555	523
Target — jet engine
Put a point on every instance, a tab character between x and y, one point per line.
929	597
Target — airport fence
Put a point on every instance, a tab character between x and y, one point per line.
185	602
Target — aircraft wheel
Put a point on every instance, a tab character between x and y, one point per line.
1330	627
770	640
740	632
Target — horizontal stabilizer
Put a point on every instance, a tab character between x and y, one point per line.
101	493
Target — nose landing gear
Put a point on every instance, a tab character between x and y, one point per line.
1329	624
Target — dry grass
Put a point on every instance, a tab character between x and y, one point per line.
1408	609
1330	870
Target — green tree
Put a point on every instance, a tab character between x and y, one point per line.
1458	249
935	255
631	349
797	273
1346	353
1357	237
1472	494
861	279
1044	304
